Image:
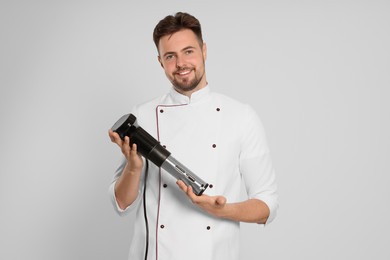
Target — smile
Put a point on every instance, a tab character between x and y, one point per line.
183	73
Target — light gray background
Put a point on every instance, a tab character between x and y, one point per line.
317	73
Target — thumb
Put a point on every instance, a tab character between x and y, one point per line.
220	200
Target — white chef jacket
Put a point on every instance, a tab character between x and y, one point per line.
220	140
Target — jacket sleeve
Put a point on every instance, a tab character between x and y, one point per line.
256	164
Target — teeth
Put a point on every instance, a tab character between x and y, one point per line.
184	72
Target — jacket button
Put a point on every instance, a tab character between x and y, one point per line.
208	227
214	145
165	185
162	226
218	109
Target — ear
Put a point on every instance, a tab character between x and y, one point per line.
204	49
159	60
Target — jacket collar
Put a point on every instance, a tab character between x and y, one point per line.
197	96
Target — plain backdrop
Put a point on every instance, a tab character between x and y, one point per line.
317	73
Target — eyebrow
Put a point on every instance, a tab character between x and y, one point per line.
188	47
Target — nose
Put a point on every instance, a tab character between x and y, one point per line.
180	62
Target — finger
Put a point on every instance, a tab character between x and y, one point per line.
126	141
111	135
125	147
133	147
191	194
182	185
133	151
115	138
189	191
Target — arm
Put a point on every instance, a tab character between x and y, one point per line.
127	185
256	168
251	210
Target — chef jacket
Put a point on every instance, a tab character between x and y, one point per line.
220	140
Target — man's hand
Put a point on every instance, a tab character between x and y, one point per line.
127	185
251	210
214	205
133	158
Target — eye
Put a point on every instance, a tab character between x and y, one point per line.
169	57
189	52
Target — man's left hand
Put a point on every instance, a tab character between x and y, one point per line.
214	205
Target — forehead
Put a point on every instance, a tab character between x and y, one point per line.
177	41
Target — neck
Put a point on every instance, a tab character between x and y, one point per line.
188	93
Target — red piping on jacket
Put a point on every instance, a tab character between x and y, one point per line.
159	178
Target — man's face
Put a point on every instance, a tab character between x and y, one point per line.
183	60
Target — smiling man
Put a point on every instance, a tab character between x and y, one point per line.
219	138
183	58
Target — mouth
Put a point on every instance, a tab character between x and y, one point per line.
183	72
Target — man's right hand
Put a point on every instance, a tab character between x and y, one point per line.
134	160
127	185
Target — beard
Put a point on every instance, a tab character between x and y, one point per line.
185	85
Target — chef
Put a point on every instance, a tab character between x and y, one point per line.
220	139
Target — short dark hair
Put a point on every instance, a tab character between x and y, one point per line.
174	23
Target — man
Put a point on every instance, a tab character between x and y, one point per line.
218	138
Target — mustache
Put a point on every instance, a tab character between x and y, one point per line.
183	69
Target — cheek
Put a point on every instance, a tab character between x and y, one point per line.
169	68
198	61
